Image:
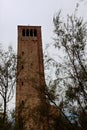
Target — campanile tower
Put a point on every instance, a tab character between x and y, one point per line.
30	78
32	110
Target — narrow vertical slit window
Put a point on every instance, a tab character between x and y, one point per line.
22	83
22	67
31	65
22	53
22	102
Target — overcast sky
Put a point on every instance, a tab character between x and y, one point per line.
31	12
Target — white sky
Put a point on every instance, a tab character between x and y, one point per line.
31	12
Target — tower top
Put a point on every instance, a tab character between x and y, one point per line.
28	26
31	31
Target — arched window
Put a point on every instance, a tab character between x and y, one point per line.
27	32
23	32
35	32
31	32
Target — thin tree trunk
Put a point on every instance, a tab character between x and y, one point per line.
4	115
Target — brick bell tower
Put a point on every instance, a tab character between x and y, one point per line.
30	99
33	112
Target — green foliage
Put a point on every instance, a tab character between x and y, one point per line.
71	72
71	37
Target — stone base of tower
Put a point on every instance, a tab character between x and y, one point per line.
37	118
42	117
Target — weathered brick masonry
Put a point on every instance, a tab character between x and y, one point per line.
32	110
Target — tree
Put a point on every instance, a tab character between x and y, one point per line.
8	63
71	73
